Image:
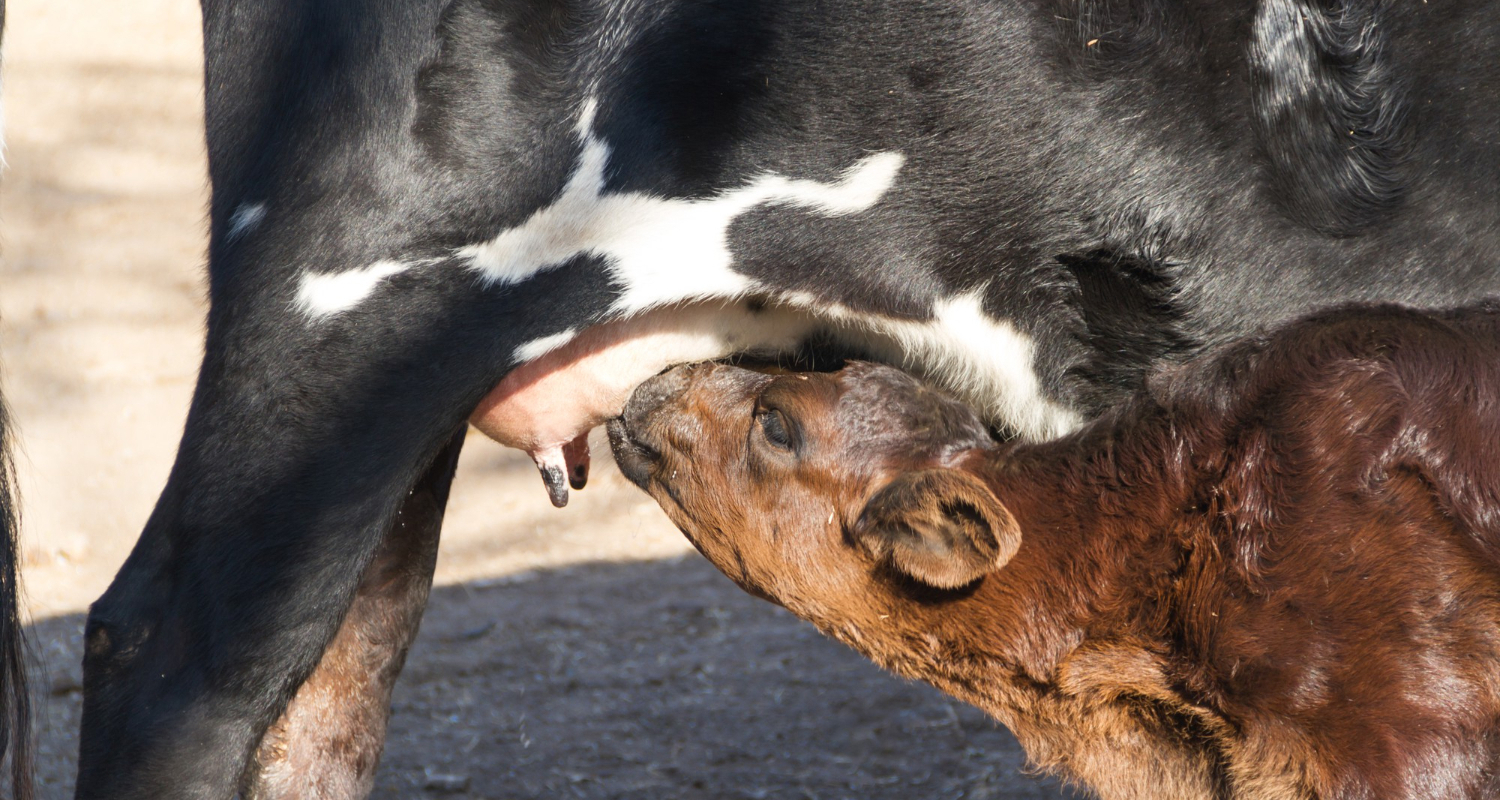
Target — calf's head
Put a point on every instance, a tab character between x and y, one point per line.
809	489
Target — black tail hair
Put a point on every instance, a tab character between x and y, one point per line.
15	697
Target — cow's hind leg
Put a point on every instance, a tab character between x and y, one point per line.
328	741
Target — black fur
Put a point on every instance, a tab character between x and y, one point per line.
1037	134
16	743
1132	321
1331	110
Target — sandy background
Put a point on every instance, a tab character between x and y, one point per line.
578	653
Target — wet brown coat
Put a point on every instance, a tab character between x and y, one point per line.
1272	575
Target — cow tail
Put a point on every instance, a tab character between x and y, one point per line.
15	699
15	695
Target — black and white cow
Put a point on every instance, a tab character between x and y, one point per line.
1032	201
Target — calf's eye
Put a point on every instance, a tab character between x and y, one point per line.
773	425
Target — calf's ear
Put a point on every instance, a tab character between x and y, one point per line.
942	527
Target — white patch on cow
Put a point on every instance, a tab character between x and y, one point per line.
321	296
584	127
244	219
536	348
661	250
658	250
986	362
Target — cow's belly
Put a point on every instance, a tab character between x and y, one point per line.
573	382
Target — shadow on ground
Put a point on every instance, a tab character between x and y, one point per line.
656	680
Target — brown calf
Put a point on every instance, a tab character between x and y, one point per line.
1273	574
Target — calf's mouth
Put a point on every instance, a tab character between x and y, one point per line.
630	439
634	458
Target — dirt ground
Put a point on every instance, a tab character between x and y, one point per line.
579	653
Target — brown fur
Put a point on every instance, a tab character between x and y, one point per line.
1273	574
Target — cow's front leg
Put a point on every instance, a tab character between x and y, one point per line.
328	742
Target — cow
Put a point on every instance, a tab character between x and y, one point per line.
1273	572
1031	202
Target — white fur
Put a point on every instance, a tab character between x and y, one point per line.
536	348
660	250
986	362
321	296
244	219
